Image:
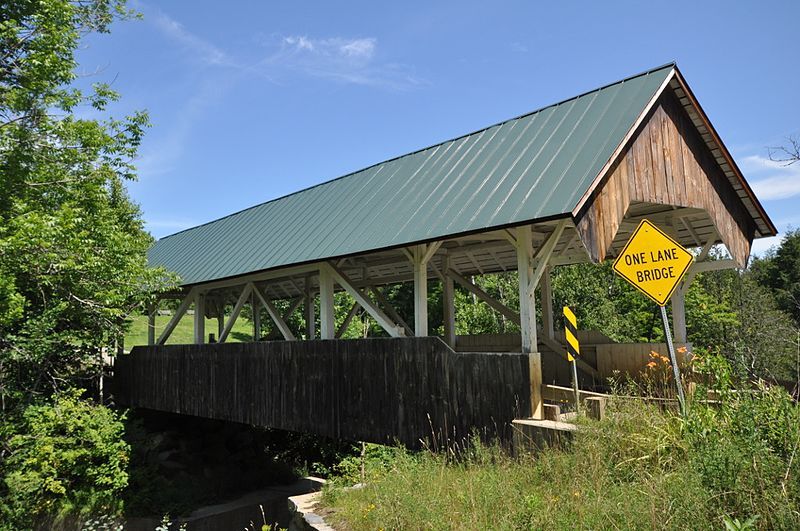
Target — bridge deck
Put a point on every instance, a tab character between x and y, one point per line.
377	390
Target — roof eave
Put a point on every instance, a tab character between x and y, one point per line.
623	144
726	154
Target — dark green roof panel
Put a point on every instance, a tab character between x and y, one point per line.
527	168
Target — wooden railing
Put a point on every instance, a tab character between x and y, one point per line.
378	390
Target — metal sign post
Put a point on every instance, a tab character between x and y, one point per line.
673	360
573	350
654	263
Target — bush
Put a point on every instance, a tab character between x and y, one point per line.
66	459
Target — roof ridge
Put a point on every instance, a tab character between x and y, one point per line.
671	64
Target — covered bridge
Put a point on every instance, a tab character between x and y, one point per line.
561	185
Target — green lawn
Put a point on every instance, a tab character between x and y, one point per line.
184	332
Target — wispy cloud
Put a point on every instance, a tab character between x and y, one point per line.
199	48
771	180
163	156
350	60
345	60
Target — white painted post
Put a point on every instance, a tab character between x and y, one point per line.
527	317
276	317
237	309
255	304
546	292
448	299
420	291
311	314
361	298
679	313
199	318
327	330
179	313
151	324
527	301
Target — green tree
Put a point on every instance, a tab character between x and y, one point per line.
72	245
779	270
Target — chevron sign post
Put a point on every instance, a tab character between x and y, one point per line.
573	349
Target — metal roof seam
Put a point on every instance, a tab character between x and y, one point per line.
519	170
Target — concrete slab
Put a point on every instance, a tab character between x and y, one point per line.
532	435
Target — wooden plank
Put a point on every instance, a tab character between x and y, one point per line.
179	313
666	163
237	309
375	389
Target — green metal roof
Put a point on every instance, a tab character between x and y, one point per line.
532	167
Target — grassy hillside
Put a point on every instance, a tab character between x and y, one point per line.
184	332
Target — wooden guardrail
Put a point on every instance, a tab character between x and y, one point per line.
378	390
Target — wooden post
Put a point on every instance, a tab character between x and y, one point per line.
448	300
255	304
151	324
679	296
679	313
220	321
199	318
179	313
546	292
596	407
527	317
363	300
420	292
327	330
280	321
311	314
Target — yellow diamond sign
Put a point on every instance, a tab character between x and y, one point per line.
653	262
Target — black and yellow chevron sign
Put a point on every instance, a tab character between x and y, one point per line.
571	330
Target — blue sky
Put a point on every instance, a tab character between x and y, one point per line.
253	100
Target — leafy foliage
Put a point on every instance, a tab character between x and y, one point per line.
72	261
779	270
639	468
66	457
72	246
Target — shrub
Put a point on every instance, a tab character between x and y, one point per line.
67	458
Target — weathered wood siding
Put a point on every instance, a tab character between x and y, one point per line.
632	358
666	162
377	390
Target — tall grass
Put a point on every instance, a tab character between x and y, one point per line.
640	468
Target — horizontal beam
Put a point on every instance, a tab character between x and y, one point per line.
557	393
712	265
257	277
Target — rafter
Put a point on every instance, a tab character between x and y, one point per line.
182	307
237	308
391	328
276	317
